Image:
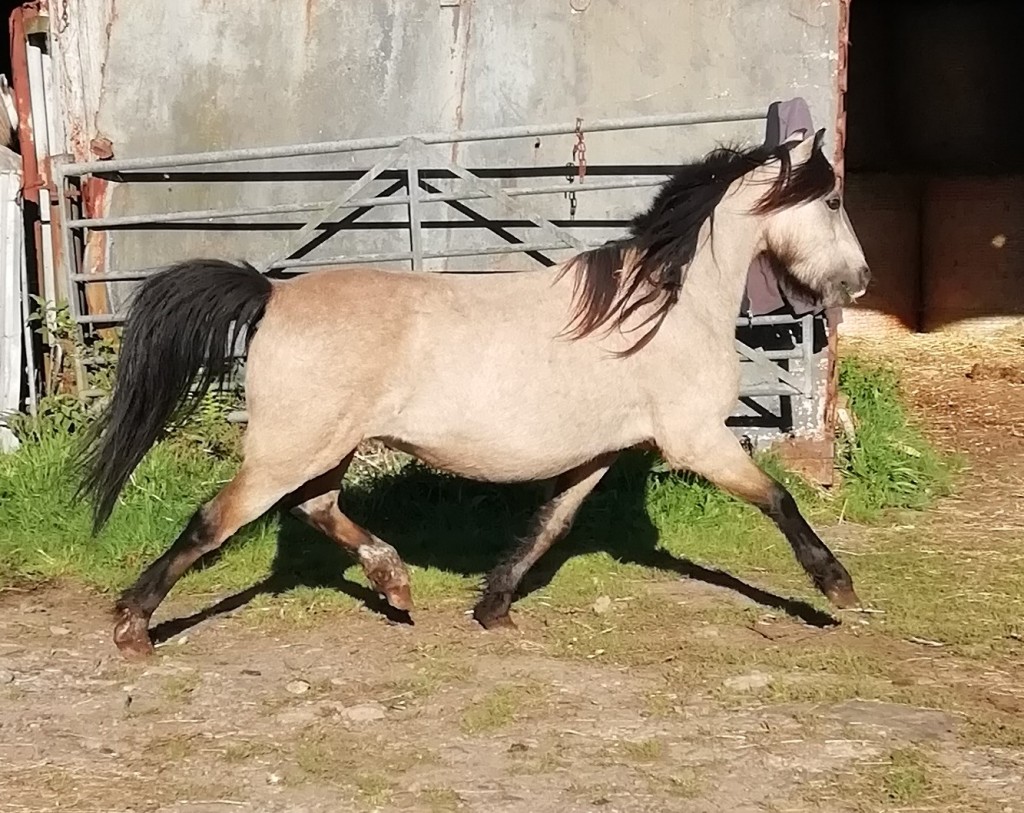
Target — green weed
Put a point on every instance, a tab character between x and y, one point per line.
888	464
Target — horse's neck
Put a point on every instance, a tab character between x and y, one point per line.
717	276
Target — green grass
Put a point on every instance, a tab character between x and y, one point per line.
350	761
180	688
45	534
640	520
642	750
499	708
888	464
905	779
439	799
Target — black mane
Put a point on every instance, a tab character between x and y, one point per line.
662	241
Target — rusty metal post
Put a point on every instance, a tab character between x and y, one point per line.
32	181
832	357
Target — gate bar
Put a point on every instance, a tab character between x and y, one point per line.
355	203
385	142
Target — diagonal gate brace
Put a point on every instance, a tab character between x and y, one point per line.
768	367
495	191
303	235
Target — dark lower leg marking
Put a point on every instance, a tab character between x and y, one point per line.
491	611
825	570
721	459
137	604
550	523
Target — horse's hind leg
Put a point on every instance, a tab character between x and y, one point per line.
550	523
721	460
253	491
317	504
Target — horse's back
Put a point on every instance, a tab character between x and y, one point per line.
377	328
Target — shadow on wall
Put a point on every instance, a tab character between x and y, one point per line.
935	173
944	251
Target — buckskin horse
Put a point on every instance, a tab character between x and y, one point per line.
497	377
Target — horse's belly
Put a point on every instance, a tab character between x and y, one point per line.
496	468
516	451
501	401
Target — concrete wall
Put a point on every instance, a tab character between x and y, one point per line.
156	77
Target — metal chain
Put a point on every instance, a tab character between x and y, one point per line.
579	163
63	24
570	176
579	152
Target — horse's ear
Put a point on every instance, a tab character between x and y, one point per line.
819	138
805	149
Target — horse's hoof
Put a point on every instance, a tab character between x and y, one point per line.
390	578
139	650
491	612
400	597
131	636
843	597
498	622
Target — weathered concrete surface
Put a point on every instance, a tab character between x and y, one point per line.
157	77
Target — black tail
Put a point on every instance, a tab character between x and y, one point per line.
182	327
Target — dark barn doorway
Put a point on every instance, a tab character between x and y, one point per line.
935	161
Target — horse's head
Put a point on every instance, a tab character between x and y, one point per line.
806	229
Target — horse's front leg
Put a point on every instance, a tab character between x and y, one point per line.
718	456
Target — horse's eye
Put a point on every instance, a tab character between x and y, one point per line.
834	204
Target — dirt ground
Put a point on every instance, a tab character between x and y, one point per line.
252	710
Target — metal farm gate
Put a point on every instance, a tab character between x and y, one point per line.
784	359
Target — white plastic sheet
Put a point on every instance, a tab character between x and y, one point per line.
12	267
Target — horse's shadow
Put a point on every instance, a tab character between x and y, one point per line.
466	527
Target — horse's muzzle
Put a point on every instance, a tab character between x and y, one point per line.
857	285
